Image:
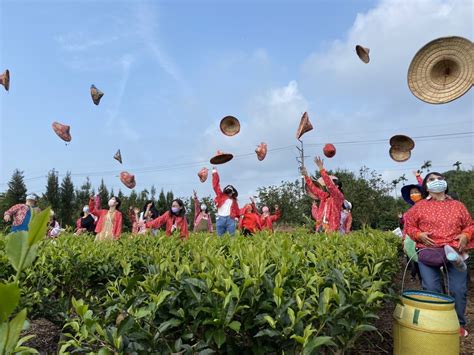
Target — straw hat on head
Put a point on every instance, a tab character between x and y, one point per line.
442	70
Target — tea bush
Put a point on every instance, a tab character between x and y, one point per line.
295	292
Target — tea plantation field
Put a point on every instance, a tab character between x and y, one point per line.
292	292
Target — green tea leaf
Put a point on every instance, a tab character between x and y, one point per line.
219	337
235	325
317	342
15	327
365	328
38	226
9	299
19	252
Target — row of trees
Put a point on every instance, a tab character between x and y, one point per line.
373	205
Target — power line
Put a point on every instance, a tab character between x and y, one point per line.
246	155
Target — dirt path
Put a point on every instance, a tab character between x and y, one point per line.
373	344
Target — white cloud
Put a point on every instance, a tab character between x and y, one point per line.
80	41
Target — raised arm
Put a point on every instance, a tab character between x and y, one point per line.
197	206
277	214
93	206
158	222
216	182
331	186
419	179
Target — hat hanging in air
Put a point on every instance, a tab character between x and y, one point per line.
203	174
96	95
261	151
442	70
305	126
230	126
401	147
5	79
128	179
329	150
118	156
63	131
363	53
221	158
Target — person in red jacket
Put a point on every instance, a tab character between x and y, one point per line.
250	222
267	219
109	225
227	207
174	220
331	201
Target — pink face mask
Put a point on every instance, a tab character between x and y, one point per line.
265	209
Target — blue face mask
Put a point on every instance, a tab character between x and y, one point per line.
437	186
175	209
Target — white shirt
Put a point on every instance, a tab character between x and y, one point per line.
224	210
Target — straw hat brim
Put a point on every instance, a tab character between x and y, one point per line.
399	155
7	80
320	181
401	142
427	76
230	126
221	159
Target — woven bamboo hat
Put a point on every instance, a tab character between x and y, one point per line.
221	158
401	142
443	70
399	155
230	126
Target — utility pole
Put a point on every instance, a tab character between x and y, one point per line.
300	160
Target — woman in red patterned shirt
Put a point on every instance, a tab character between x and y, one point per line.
330	201
434	222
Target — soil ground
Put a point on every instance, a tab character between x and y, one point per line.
372	343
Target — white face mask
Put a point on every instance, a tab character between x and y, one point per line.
85	209
437	186
112	203
203	208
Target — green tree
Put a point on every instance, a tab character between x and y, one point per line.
461	186
103	194
169	199
162	204
51	196
16	192
67	203
426	166
83	194
457	164
153	192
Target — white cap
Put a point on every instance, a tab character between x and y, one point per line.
32	197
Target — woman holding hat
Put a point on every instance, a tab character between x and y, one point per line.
109	224
330	205
227	206
202	218
21	213
174	220
433	223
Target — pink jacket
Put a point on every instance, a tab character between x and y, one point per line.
198	216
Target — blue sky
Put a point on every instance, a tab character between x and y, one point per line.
171	70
